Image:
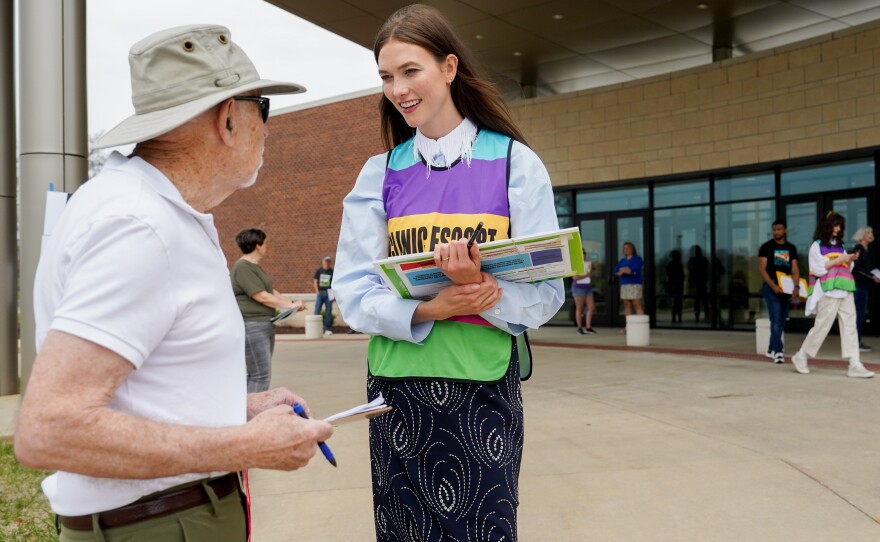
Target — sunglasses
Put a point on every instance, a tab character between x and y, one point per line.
264	104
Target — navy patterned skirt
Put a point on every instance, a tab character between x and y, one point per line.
446	460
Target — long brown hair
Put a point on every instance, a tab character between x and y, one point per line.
825	229
476	98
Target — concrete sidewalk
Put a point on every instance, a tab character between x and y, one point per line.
707	441
734	344
624	445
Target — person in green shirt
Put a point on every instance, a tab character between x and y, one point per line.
257	301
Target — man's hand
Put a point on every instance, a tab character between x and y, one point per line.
282	440
264	400
65	423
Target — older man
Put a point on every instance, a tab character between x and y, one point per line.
137	396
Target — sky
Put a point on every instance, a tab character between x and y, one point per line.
283	47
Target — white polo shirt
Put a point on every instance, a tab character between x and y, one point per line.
132	267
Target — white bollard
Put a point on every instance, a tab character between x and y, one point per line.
314	326
638	330
762	335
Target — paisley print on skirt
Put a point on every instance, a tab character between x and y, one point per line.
445	462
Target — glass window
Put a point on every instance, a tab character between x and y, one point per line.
748	186
593	239
681	256
621	199
855	211
563	203
565	222
838	176
801	220
740	230
678	194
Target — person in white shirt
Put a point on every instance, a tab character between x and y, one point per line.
137	396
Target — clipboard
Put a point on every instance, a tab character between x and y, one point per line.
282	315
786	282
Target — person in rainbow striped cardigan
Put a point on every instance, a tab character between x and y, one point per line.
831	295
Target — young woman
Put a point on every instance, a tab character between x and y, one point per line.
445	461
629	270
831	296
582	293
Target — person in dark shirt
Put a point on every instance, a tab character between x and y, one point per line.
698	278
675	283
323	294
778	256
863	237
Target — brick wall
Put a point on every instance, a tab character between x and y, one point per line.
814	97
311	161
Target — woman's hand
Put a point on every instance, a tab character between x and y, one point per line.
842	260
460	300
460	264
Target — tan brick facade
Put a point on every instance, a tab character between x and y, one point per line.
815	97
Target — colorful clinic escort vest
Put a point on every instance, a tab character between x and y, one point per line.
838	277
426	210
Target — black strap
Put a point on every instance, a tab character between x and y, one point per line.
524	353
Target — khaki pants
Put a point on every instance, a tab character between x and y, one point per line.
845	310
223	521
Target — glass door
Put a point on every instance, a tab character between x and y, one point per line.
855	211
594	243
628	228
602	237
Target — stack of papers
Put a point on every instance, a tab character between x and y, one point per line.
786	282
282	315
372	409
529	258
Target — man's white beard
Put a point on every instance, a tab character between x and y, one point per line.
253	178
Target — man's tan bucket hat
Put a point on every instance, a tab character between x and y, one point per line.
179	73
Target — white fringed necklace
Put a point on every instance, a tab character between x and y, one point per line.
449	148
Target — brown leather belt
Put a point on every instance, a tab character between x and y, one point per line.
153	507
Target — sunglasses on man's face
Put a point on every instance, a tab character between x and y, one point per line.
264	104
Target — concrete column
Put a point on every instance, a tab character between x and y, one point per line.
54	129
8	237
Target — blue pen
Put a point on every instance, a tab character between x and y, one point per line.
301	412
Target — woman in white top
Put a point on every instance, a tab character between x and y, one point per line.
831	295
